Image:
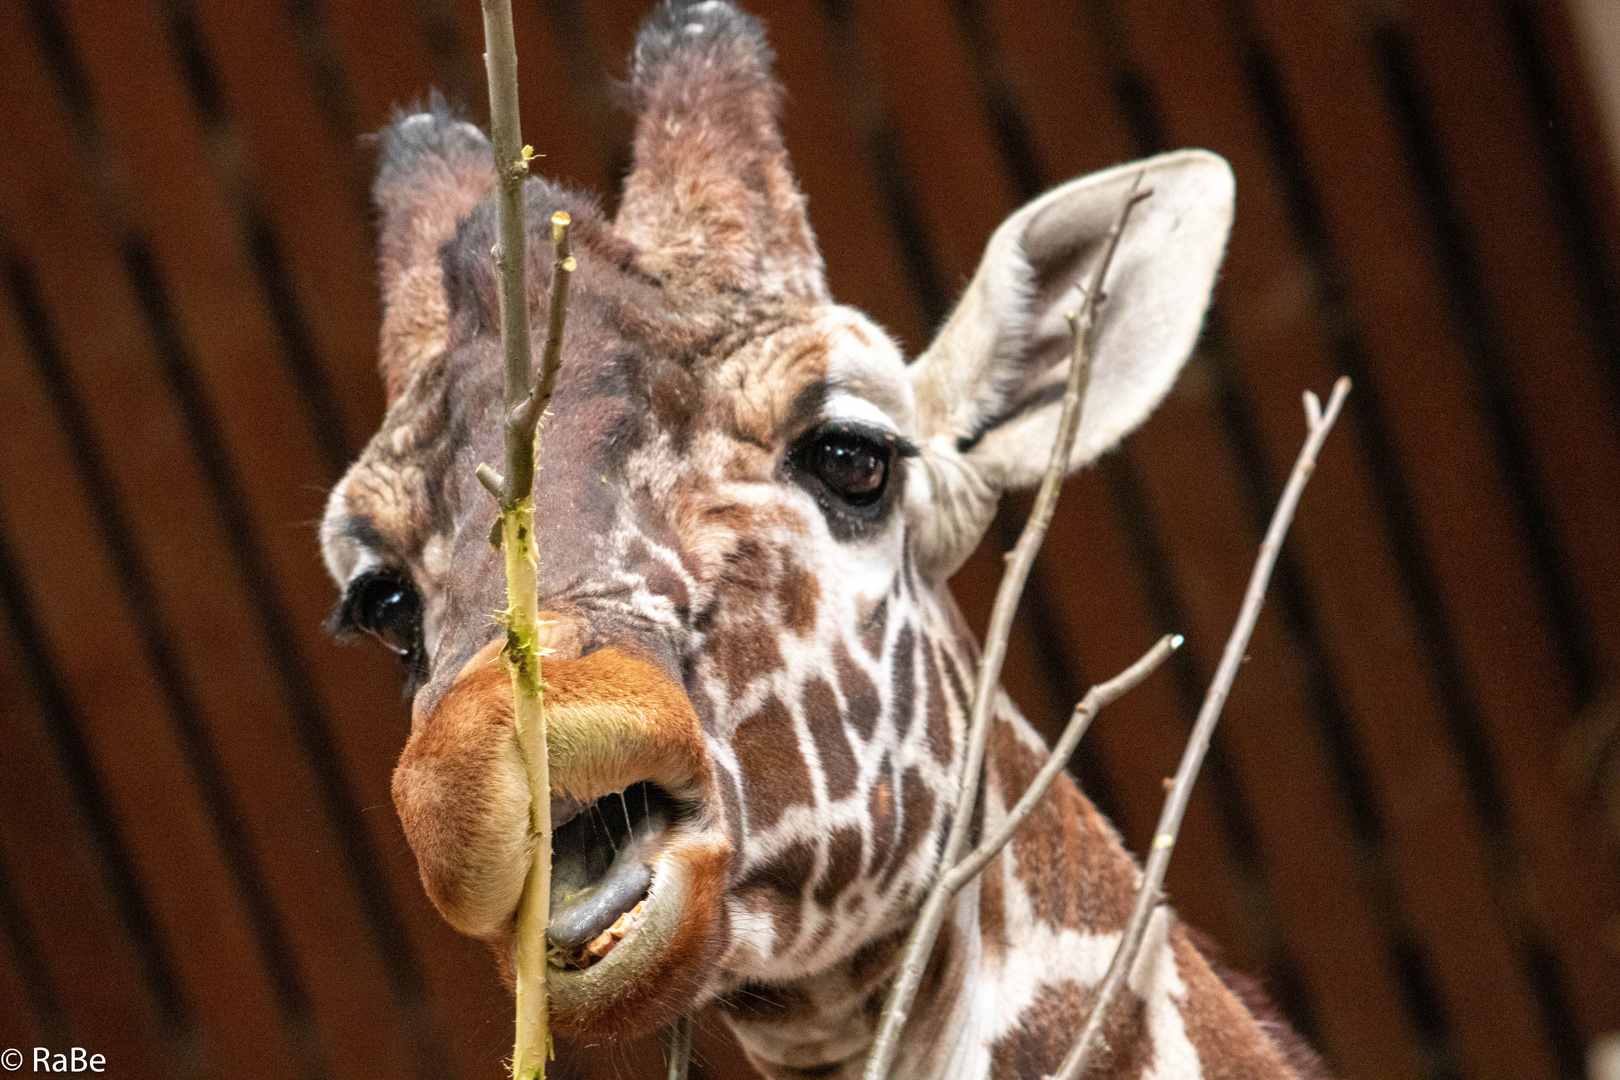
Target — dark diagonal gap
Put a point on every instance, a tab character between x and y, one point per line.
334	98
1134	97
592	95
1579	218
22	943
176	1026
1131	91
1333	726
157	643
1007	123
302	698
1479	339
1475	326
854	71
321	57
463	87
1057	669
298	349
1550	985
253	566
1369	421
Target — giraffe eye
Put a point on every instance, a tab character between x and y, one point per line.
387	606
853	463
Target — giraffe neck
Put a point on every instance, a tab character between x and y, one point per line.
1017	966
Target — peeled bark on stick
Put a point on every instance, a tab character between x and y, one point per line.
525	405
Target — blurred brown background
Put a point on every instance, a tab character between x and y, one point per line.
1406	828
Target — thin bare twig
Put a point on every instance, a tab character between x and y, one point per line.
1151	893
511	168
680	1047
1021	559
1084	713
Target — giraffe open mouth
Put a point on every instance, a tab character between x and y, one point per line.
603	856
637	911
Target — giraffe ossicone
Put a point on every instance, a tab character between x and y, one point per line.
747	506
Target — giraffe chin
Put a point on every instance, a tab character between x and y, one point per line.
666	959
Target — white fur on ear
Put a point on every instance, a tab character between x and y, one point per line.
988	388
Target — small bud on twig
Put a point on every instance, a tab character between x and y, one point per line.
492	482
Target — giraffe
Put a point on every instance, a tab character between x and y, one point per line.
748	506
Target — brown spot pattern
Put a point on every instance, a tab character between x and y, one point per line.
862	704
993	908
742	650
778	887
663	581
1230	1045
1039	1044
826	723
843	864
1064	842
916	811
797	595
774	773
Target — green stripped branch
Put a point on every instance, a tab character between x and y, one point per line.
525	404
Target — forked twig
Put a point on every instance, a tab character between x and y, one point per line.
514	530
1084	713
1019	562
1151	893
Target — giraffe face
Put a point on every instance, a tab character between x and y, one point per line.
747	503
724	557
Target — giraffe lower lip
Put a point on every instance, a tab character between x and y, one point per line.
600	867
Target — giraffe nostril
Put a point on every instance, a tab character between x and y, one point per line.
601	855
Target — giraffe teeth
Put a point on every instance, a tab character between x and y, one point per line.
602	869
586	955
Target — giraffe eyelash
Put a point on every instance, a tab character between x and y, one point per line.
899	444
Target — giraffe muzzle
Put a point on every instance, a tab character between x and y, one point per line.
639	860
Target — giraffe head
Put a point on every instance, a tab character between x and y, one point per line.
748	503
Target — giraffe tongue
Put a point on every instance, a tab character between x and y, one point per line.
594	909
599	863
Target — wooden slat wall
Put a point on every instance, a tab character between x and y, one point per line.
200	870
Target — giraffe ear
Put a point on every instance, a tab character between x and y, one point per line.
432	171
711	202
989	388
